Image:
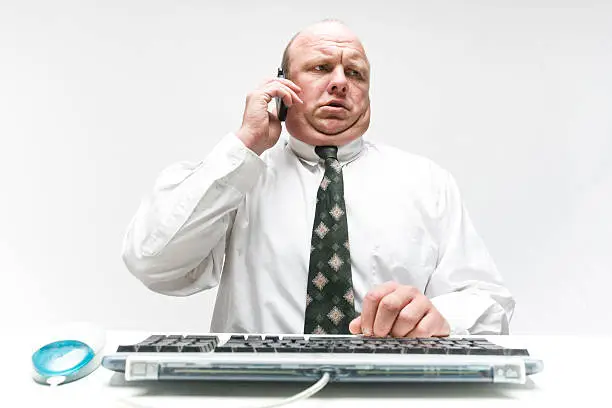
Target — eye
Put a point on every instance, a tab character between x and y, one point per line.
354	73
321	68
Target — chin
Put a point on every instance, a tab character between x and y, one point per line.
333	127
335	132
337	139
324	140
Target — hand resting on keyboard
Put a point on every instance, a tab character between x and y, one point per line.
398	310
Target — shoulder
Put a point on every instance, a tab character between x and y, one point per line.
405	164
413	175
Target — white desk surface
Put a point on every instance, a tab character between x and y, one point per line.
576	369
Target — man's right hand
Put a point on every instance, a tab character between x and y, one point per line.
261	129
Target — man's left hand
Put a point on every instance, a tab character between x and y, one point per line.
399	311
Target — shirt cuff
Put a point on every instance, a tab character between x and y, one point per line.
246	165
462	310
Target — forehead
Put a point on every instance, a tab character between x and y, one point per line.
328	40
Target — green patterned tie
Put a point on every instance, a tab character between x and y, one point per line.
329	297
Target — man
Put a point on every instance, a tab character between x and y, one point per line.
304	238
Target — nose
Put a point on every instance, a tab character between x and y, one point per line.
338	85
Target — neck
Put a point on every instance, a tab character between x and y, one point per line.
306	151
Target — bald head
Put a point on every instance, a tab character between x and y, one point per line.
325	29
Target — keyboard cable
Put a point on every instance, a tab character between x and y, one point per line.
308	392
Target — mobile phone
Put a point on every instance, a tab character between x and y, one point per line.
281	108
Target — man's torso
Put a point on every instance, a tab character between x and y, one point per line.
391	200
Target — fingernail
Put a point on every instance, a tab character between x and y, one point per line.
366	332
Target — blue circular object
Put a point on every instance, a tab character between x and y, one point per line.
62	358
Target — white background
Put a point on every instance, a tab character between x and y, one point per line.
513	97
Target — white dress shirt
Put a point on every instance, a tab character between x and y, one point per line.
244	222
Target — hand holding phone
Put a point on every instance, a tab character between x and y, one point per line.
261	128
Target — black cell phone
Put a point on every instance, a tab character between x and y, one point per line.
281	108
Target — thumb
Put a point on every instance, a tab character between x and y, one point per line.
355	325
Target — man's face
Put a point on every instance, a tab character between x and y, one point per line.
330	66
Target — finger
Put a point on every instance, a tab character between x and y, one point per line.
283	93
390	307
410	316
293	92
442	327
290	84
370	305
355	325
428	326
285	83
286	90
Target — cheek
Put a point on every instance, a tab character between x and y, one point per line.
313	92
313	87
311	98
363	99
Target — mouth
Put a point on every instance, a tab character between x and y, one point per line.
336	104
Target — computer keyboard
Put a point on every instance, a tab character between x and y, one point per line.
160	343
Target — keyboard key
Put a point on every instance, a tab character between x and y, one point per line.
243	349
254	338
265	349
388	351
236	341
293	338
343	349
436	350
364	350
241	346
200	338
238	337
127	348
147	348
515	352
288	349
314	349
479	351
164	343
414	350
456	350
197	349
407	340
170	349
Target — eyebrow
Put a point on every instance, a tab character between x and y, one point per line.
356	60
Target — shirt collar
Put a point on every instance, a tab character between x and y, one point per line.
306	152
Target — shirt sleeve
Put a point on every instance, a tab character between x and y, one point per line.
466	286
175	243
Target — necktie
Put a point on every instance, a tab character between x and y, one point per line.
329	293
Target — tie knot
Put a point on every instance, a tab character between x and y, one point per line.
327	152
